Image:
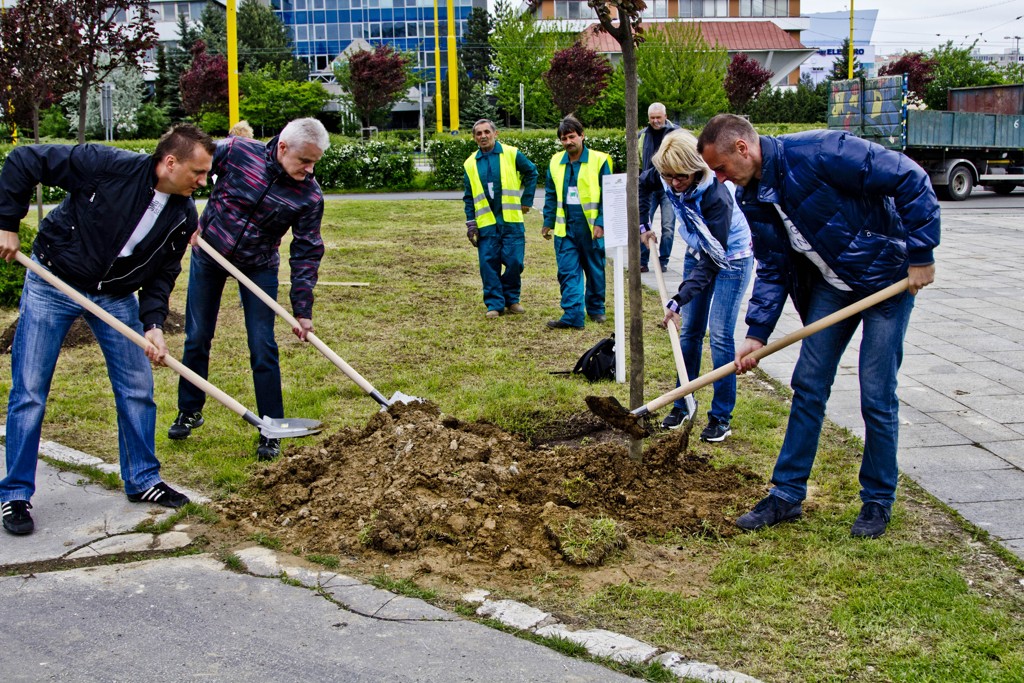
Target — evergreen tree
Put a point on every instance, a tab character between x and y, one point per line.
841	67
476	50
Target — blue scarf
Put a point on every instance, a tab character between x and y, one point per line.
691	219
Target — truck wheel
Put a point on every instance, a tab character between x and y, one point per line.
961	182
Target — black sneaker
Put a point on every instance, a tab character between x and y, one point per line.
184	424
871	522
268	448
16	518
769	512
161	494
680	416
715	431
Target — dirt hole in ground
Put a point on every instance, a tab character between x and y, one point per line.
80	334
419	493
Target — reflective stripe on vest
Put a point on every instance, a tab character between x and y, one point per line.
511	189
588	185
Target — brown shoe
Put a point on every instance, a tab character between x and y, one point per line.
516	309
493	314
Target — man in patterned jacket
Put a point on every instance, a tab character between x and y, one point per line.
262	190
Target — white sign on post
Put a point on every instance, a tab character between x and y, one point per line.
616	240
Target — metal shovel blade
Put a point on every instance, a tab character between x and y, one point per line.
399	397
288	427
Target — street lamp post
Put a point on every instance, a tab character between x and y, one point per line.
1016	48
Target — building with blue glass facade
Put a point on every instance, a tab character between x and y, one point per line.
322	29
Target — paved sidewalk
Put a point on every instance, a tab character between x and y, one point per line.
961	383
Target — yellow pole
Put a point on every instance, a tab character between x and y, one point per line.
233	116
850	76
438	103
453	70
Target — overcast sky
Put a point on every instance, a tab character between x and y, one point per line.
924	24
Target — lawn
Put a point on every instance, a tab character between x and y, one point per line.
931	601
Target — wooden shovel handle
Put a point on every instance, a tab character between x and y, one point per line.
768	349
290	319
134	336
673	331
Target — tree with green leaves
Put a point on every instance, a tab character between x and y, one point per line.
39	62
577	77
609	111
213	29
677	67
522	53
204	87
270	99
126	102
841	65
918	69
263	41
745	81
956	68
476	51
108	44
373	81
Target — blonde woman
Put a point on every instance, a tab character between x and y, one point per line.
717	268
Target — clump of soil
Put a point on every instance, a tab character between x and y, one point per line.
80	334
417	483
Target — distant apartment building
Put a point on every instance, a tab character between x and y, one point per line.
765	30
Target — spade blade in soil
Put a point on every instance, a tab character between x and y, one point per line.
289	427
611	411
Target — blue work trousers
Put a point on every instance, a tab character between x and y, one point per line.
581	262
502	246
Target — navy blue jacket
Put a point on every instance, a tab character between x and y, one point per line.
869	212
108	190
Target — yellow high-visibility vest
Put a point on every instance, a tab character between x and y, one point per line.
588	185
511	189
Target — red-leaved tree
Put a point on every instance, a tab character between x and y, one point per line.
577	77
744	81
112	33
373	81
39	60
204	87
919	70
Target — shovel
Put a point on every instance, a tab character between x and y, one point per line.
310	337
611	411
272	428
677	351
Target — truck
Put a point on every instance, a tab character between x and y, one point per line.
979	141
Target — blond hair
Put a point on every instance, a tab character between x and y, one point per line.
678	154
242	129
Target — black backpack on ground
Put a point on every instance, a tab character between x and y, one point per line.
597	363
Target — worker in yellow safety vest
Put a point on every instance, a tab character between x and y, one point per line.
572	210
499	183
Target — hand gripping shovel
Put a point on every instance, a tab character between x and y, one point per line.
310	337
273	428
612	412
677	351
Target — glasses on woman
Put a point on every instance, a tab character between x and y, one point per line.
681	177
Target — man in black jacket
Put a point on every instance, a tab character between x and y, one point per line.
122	228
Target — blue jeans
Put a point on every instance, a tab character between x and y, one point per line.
580	256
205	285
668	225
46	315
881	352
502	245
715	310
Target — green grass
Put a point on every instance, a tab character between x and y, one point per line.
928	601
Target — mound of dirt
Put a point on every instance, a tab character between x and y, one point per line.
80	334
417	482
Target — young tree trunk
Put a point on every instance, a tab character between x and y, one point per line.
35	131
83	103
635	297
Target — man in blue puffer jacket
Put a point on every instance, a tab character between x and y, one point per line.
833	218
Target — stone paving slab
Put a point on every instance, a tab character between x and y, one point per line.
1002	518
977	486
601	643
975	427
913	436
1006	408
933	460
1010	451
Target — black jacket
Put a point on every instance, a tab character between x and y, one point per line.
108	191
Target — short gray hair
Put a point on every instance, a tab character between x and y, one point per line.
655	108
303	131
494	129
